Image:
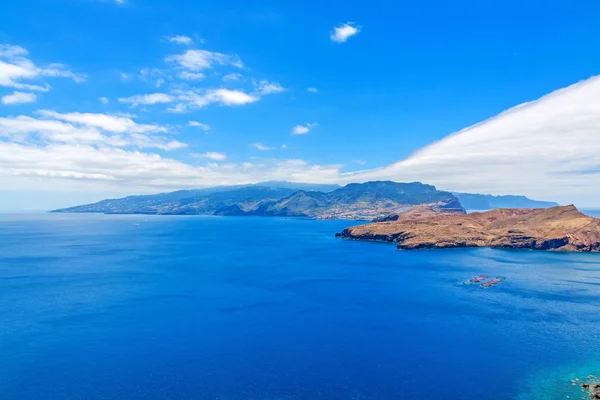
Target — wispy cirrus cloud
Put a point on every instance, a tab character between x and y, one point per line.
265	87
188	100
303	129
18	71
181	39
102	130
343	32
186	69
198	60
191	76
261	147
110	123
200	125
152	98
212	155
19	98
154	76
231	77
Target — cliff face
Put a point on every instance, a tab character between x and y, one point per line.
556	228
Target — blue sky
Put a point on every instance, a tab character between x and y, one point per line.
407	75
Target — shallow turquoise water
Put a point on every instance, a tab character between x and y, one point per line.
124	307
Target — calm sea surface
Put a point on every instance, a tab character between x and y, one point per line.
142	307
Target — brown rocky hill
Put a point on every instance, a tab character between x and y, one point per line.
561	228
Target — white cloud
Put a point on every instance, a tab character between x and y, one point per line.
154	98
16	69
200	125
180	39
197	60
300	130
178	108
303	129
261	147
230	97
110	123
191	66
283	146
154	76
100	130
189	100
546	149
265	87
234	76
212	155
342	32
312	90
19	98
8	51
192	76
78	167
104	100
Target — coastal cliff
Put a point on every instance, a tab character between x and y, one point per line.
561	228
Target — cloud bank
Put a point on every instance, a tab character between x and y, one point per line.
547	149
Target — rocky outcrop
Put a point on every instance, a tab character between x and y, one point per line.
557	228
423	210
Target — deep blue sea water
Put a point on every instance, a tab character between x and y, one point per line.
147	307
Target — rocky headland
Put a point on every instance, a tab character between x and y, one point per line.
561	228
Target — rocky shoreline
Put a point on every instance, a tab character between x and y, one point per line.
561	228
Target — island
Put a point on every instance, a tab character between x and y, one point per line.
354	201
561	228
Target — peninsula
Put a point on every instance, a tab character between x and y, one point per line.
561	228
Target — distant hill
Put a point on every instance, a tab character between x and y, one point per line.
202	201
354	201
489	202
309	187
370	200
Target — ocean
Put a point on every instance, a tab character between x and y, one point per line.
206	308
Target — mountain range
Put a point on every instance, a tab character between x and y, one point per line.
364	201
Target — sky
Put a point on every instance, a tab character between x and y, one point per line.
106	98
